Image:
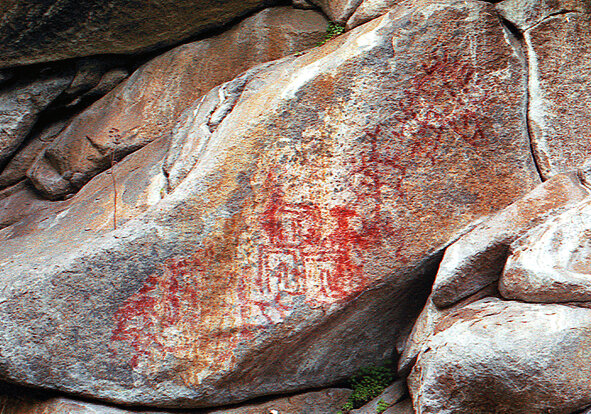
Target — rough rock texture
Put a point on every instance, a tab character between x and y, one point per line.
16	169
34	32
524	14
147	105
505	357
338	11
293	252
18	202
403	407
559	55
425	324
369	10
476	260
552	262
391	395
20	106
300	241
327	401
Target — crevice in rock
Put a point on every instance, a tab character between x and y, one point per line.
551	15
517	40
12	395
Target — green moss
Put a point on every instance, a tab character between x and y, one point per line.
382	406
332	31
367	384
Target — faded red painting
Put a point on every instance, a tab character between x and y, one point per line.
321	207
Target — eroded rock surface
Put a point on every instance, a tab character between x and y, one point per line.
524	14
20	106
327	401
147	105
502	356
34	32
297	246
477	259
559	51
551	263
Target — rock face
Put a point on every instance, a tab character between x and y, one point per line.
551	263
338	11
147	105
485	359
476	260
559	51
525	14
16	169
369	10
286	235
20	106
35	32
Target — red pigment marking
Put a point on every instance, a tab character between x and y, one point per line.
305	249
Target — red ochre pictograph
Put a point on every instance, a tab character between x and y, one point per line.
201	308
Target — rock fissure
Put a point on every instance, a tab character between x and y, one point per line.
517	40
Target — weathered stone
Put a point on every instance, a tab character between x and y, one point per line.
18	202
20	106
338	11
391	395
16	169
34	32
559	54
426	323
476	260
300	243
327	401
369	10
505	357
403	407
147	105
551	262
524	14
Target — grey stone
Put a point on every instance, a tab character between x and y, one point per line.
524	14
551	262
16	169
20	106
477	259
494	356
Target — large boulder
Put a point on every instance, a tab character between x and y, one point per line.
477	259
551	263
146	106
494	356
286	236
34	32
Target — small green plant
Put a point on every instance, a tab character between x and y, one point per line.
332	31
367	384
382	406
